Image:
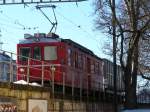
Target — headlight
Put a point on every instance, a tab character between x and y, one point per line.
21	69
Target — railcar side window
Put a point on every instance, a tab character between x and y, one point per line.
97	67
37	53
80	61
76	59
69	56
50	53
92	67
24	53
88	65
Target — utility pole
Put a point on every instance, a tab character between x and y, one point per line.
114	54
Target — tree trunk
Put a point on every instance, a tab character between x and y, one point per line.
130	73
130	90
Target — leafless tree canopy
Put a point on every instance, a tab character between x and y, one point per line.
132	21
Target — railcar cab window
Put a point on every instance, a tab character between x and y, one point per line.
37	53
24	53
50	53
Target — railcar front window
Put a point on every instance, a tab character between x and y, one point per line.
37	53
50	53
24	53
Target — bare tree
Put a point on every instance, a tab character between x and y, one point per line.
132	22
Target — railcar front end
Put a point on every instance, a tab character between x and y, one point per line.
39	58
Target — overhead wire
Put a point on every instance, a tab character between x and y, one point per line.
8	22
15	22
73	23
9	19
67	19
78	26
4	29
82	29
87	16
10	26
10	41
6	16
81	11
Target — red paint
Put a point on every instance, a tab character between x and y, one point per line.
75	75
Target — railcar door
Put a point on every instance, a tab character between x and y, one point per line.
24	54
36	63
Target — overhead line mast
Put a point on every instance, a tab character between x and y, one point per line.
13	2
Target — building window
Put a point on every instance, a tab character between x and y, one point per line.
88	65
76	60
50	53
24	53
37	53
84	62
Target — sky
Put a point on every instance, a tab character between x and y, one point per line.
75	22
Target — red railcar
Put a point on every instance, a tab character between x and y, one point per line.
49	57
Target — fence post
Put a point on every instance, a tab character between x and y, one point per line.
87	94
42	73
100	91
72	86
11	69
88	90
63	85
72	96
80	87
28	70
53	77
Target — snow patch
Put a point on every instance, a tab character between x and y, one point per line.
137	110
21	82
26	83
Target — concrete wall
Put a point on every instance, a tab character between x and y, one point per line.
22	93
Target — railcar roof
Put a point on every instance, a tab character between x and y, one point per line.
38	40
82	48
33	39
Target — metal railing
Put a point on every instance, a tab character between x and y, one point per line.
7	71
81	91
43	67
